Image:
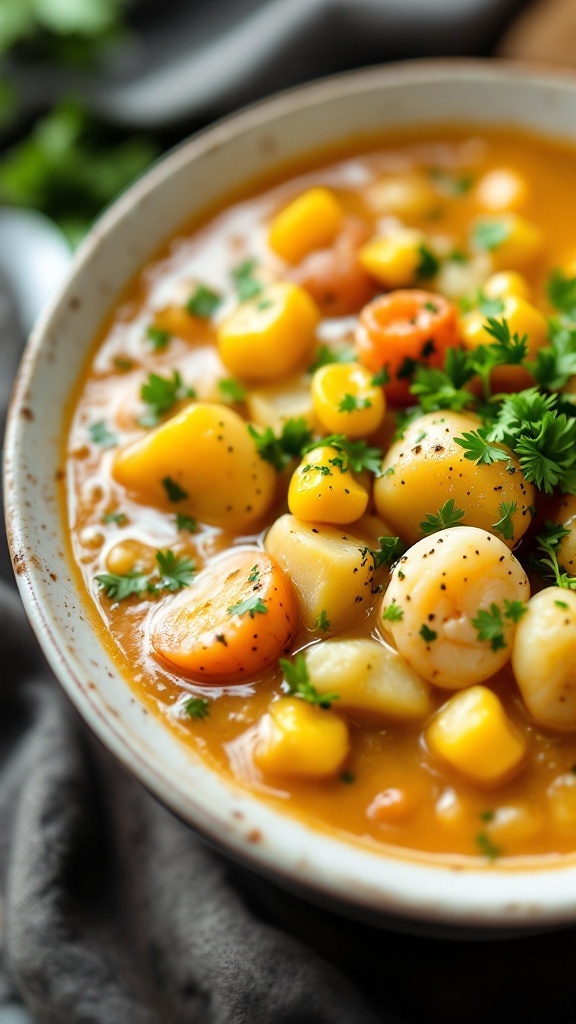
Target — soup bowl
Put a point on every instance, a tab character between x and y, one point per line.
384	886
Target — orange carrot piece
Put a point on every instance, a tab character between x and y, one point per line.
402	329
235	621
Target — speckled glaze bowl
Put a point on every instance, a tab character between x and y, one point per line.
384	887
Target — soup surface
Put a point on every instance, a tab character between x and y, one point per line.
322	456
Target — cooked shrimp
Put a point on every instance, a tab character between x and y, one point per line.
544	658
450	607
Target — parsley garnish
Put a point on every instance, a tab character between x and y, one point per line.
478	449
452	185
100	434
348	777
351	403
160	395
514	610
254	576
158	338
325	356
123	364
556	363
490	627
446	516
197	707
251	605
444	389
173	490
119	586
487	847
175	572
505	526
247	286
172	574
356	454
488	234
390	550
203	302
322	622
381	378
427	634
232	390
115	517
186	523
299	685
428	265
295	438
562	292
393	613
547	564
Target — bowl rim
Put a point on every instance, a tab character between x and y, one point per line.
418	889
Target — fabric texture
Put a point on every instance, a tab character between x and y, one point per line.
114	912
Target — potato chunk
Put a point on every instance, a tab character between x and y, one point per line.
368	675
328	567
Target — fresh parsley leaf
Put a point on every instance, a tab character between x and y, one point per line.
197	707
514	610
175	572
115	517
203	302
251	606
158	338
547	564
390	550
487	847
294	439
254	575
393	613
381	378
555	363
489	233
173	490
451	185
247	286
428	265
161	394
446	516
505	525
438	389
122	364
351	403
299	684
356	454
561	291
427	634
478	449
322	622
232	390
547	453
489	626
119	586
186	523
325	355
100	434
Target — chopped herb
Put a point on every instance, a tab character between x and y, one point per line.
505	525
451	185
299	684
487	816
254	576
356	453
381	378
407	368
324	470
489	234
326	355
160	394
547	564
444	389
514	610
115	517
197	707
119	586
294	439
561	604
247	286
487	847
347	777
393	613
446	517
158	338
555	363
390	550
489	626
351	403
478	449
175	572
173	490
100	434
322	623
431	307
186	523
427	634
203	302
561	291
251	606
123	364
428	265
232	390
457	256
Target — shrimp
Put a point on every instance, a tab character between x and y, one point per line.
544	658
448	606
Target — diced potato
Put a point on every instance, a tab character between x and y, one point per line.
310	222
368	675
269	336
300	739
328	567
321	491
408	196
561	796
346	400
473	733
202	463
394	260
507	283
502	189
271	405
516	242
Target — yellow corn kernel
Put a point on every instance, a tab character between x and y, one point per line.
272	404
346	401
502	189
321	491
514	823
268	337
513	242
394	260
408	196
506	283
127	555
203	463
472	732
299	739
561	795
310	222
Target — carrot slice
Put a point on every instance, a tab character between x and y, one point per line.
232	624
403	329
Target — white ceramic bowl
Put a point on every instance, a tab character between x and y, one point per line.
376	885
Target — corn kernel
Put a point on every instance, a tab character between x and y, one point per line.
505	284
321	491
268	337
346	401
300	739
410	197
502	189
310	222
561	794
124	556
394	260
515	245
272	404
472	732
